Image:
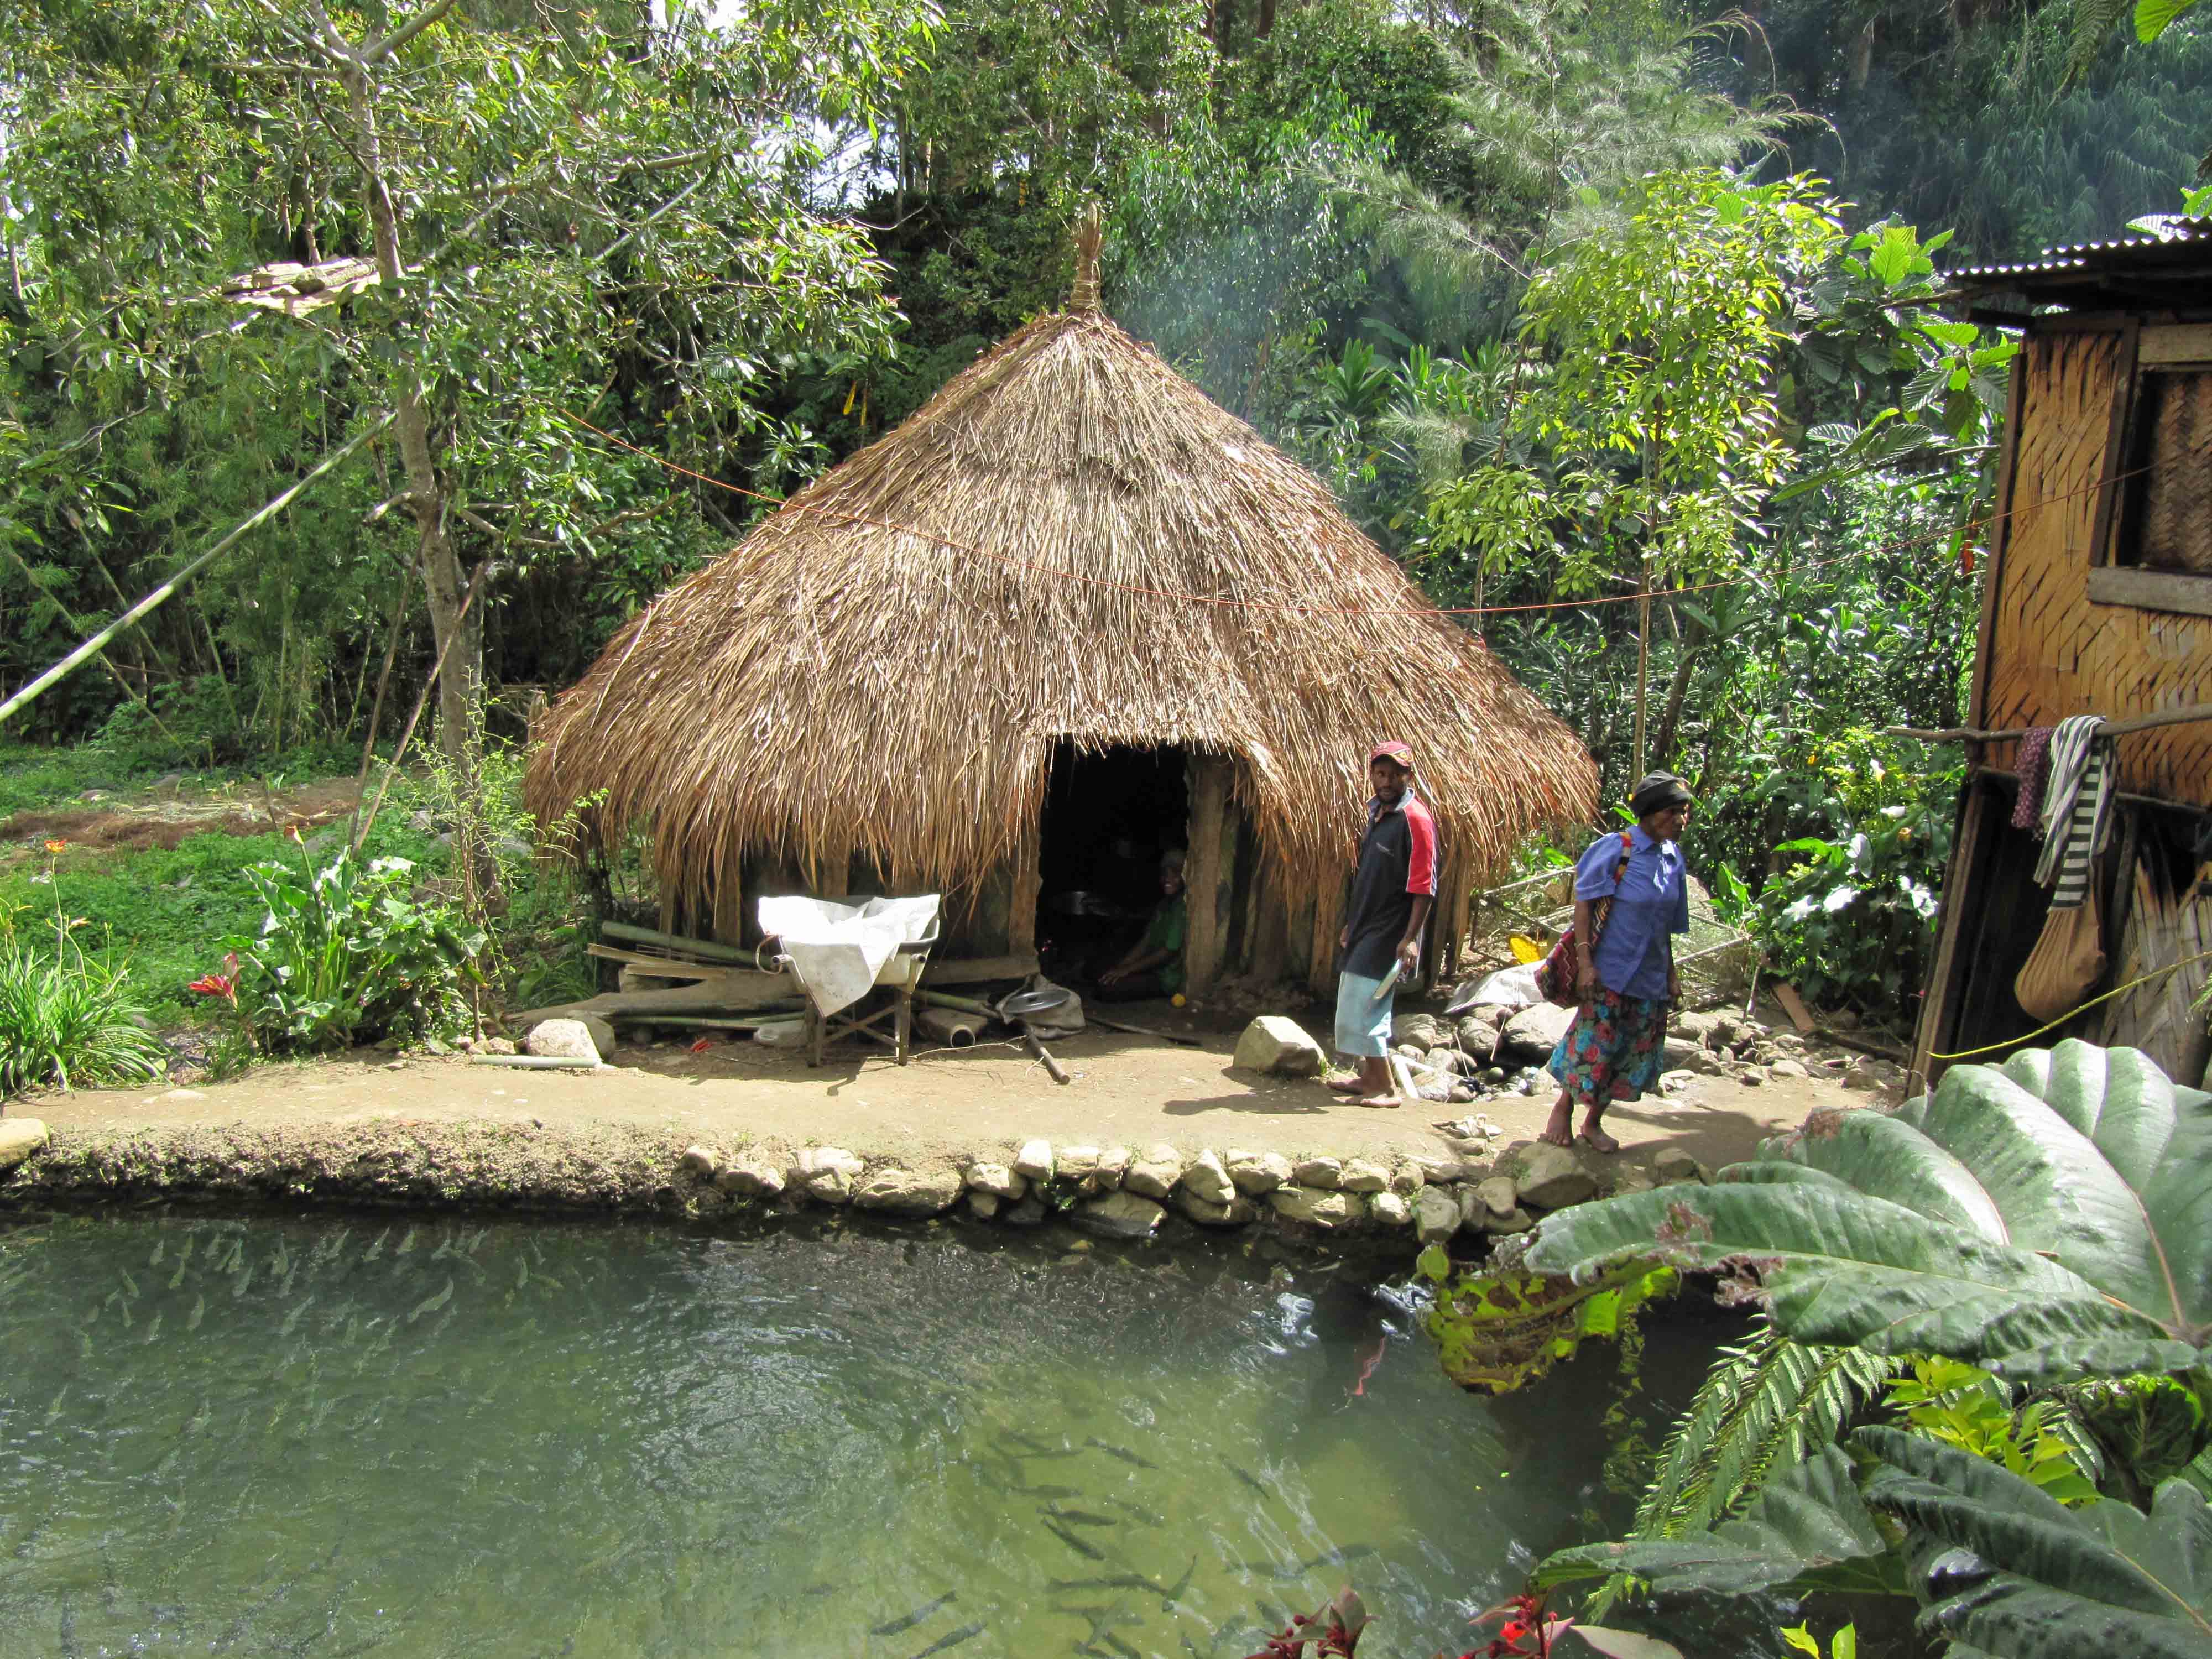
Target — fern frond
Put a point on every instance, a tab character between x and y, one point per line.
2092	24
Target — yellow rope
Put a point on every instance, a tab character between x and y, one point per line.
2009	1042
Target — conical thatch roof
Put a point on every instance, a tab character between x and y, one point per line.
845	681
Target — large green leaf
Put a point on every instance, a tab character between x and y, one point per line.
2029	1578
2047	1221
1808	1528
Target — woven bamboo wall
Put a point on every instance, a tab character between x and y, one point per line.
2049	653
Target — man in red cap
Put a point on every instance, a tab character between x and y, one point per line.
1392	889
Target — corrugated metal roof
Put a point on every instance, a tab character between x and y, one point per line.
2166	236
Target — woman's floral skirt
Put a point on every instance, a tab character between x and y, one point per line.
1613	1050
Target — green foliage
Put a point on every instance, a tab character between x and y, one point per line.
2039	1221
2149	1428
69	1022
1965	1407
2006	1570
344	956
1496	1331
1845	1644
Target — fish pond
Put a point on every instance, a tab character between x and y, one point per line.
370	1435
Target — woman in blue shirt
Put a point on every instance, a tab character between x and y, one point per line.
1613	1050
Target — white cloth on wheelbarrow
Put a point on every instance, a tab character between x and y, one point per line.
836	949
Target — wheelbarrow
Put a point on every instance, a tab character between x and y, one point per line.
884	1014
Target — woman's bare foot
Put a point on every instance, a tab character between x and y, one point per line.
1555	1132
1597	1140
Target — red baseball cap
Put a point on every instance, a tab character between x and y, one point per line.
1402	754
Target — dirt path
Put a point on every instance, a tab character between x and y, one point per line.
1125	1091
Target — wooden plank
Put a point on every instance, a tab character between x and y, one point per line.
2001	538
730	904
2151	590
1271	948
977	970
1028	882
720	997
2119	421
1960	900
1794	1005
2182	343
652	967
1206	929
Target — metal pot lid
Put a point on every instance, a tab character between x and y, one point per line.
1022	1004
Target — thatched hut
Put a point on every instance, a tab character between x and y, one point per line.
1069	611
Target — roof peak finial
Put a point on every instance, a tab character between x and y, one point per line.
1090	237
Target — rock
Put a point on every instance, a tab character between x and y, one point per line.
1513	1221
1861	1076
1552	1177
1436	1168
1034	1160
1495	1196
182	1094
562	1039
1697	1028
1477	1036
827	1173
1630	1179
907	1192
982	1205
421	821
751	1175
1674	1083
1533	1032
1257	1173
1389	1210
1412	1051
1324	1172
1113	1167
1436	1215
997	1180
1844	1019
1233	1214
1118	1215
1155	1174
1313	1207
499	1045
19	1138
1272	1043
1407	1179
603	1035
698	1161
1787	1067
1029	1212
1677	1053
1752	1078
1451	1061
1706	1063
1364	1175
1420	1030
1674	1164
1075	1163
1206	1179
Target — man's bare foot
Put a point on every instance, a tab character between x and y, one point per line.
1346	1083
1597	1140
1380	1100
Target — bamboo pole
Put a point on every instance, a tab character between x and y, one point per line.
167	590
2120	728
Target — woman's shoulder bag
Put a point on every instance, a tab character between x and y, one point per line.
1558	975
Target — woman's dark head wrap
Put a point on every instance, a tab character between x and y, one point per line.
1658	789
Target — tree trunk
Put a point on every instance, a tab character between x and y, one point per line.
1643	658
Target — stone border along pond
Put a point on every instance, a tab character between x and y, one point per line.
1111	1192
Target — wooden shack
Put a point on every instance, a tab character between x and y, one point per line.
2098	600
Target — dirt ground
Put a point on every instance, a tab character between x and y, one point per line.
948	1104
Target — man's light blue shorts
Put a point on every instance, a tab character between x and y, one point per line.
1363	1021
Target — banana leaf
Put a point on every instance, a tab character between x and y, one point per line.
2010	1571
2048	1221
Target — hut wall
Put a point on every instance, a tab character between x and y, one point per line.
2047	651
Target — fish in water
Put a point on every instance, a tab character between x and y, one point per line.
1169	1598
1120	1646
1050	1494
915	1618
1079	1517
1121	1452
1246	1476
1119	1581
1137	1511
965	1633
1332	1558
1073	1542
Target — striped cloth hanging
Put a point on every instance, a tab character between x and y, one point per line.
2077	808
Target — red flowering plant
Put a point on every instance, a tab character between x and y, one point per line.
1528	1631
223	985
1332	1632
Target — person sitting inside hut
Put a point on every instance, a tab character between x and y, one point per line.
1153	966
1394	886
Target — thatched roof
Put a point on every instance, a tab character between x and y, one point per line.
1069	541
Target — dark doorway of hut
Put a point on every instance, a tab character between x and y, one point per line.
1111	816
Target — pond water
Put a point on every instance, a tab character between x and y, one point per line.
365	1435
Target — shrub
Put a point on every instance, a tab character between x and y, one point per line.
64	1020
345	957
